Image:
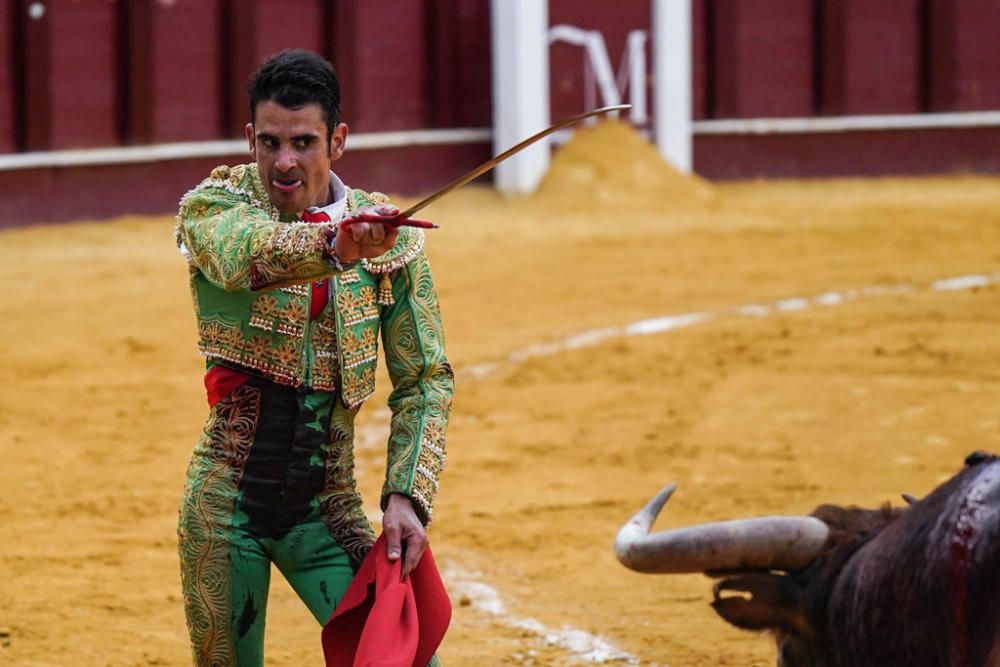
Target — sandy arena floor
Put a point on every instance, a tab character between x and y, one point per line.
857	376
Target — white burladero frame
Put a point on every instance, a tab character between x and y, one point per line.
521	38
520	90
520	29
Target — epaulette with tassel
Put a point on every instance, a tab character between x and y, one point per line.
409	245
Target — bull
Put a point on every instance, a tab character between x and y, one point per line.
851	587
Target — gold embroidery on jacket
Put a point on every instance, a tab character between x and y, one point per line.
359	308
324	342
359	349
263	312
359	385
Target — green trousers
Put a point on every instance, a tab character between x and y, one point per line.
252	499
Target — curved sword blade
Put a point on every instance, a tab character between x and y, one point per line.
489	164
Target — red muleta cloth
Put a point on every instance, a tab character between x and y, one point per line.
385	622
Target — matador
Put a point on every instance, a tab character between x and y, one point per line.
290	305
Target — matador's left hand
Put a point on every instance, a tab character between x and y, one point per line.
404	533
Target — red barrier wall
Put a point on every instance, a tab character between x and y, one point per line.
175	94
871	57
459	73
382	57
96	73
965	58
72	73
869	153
252	30
700	60
101	73
763	58
8	91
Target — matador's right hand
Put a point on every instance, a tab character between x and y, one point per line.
357	240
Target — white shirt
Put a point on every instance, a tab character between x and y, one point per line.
338	193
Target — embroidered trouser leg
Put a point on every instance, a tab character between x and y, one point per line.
250	500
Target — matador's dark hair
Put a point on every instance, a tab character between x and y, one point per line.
294	78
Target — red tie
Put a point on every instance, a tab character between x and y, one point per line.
320	289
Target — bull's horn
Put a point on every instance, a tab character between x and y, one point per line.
766	543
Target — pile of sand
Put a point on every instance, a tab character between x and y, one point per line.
612	165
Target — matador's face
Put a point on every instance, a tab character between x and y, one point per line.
293	155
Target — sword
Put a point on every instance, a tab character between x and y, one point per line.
403	219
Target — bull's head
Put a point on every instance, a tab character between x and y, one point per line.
759	561
829	586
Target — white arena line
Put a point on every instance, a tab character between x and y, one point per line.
666	323
963	282
375	433
483	598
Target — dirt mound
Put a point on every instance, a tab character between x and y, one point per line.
612	165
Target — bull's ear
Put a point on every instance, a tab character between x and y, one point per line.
761	601
976	457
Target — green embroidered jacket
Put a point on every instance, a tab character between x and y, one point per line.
250	274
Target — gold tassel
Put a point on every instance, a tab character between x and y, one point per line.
385	291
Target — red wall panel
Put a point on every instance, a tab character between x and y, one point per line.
8	118
382	58
282	24
700	60
82	75
763	58
870	153
872	57
964	57
258	29
34	72
460	68
978	54
175	94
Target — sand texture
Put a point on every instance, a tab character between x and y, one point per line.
817	359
